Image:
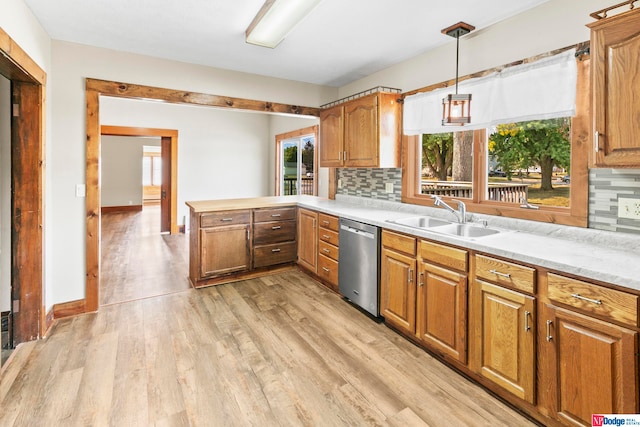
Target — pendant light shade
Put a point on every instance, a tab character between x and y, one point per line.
456	108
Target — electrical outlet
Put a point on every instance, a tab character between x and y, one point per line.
339	183
629	208
388	187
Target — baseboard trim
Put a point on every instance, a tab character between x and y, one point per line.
68	309
126	208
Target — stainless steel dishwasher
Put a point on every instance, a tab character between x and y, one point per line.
359	264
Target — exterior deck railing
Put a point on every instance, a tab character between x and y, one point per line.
504	192
291	186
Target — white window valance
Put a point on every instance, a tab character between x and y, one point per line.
543	89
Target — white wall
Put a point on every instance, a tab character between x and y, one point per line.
5	194
121	169
552	25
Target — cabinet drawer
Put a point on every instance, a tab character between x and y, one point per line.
328	250
274	254
616	305
274	232
399	242
274	214
328	269
328	236
328	221
444	255
506	274
215	219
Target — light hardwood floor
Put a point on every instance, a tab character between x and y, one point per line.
137	261
276	351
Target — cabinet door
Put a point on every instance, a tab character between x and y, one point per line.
398	290
224	250
308	239
595	368
331	137
441	310
507	339
361	132
615	43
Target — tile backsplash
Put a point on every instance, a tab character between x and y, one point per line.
606	186
371	183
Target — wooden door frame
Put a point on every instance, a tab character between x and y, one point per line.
310	130
93	89
169	158
28	89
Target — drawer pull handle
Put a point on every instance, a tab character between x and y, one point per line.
580	297
549	337
326	269
527	327
227	219
325	222
276	215
275	250
497	273
326	251
324	236
276	227
420	281
410	275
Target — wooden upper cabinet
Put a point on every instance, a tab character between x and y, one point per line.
364	132
615	52
331	136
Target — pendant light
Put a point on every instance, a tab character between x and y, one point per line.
456	108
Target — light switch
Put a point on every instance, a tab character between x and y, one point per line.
81	190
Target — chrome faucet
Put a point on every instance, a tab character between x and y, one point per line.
460	214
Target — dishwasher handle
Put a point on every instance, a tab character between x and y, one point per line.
357	231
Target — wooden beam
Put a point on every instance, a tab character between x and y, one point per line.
128	90
92	201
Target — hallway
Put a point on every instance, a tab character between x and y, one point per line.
139	262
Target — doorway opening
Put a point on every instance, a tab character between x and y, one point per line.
23	105
138	186
296	162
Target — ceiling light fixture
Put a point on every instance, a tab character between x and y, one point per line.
276	19
456	108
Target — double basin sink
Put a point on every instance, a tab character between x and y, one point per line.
436	225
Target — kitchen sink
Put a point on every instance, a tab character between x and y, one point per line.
421	222
465	230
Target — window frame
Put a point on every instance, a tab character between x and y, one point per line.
577	212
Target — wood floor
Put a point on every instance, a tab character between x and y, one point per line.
137	261
281	350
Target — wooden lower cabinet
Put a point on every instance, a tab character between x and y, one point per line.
308	239
505	328
397	281
441	310
328	249
591	367
225	250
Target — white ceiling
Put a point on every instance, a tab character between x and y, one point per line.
338	43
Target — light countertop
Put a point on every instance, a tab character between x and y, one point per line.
598	255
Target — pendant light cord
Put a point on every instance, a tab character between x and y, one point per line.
457	56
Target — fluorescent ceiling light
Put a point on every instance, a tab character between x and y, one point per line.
276	19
